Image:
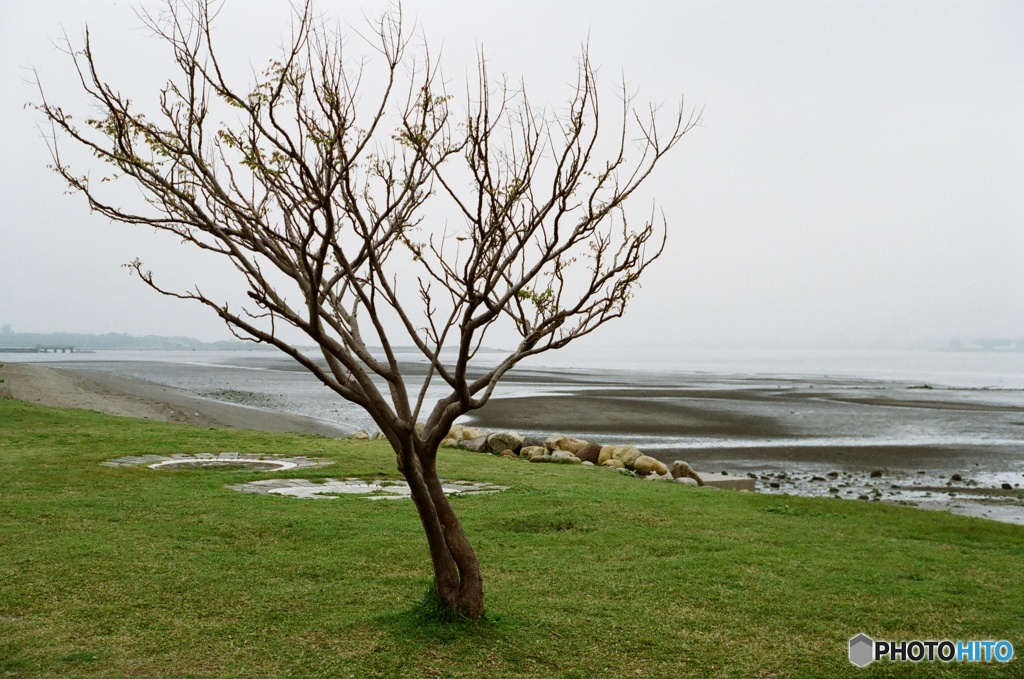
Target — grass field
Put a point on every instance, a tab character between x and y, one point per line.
137	572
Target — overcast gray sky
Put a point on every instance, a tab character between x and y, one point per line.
858	176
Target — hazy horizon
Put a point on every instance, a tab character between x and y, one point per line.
857	178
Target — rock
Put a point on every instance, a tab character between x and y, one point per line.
605	454
1007	486
470	433
956	477
477	445
876	473
509	453
380	436
774	484
455	432
587	463
449	443
817	478
645	464
682	470
541	458
532	451
614	464
565	457
506	440
627	455
569	444
533	441
361	435
686	481
590	453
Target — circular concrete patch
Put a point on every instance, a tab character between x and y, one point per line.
256	462
331	489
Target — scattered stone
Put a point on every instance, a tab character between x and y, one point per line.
833	475
590	453
627	455
532	451
470	433
476	445
817	478
863	497
682	469
361	435
645	464
1007	486
569	444
956	477
876	473
507	440
775	484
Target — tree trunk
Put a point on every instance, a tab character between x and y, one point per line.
457	578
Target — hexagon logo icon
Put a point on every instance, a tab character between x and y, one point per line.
862	650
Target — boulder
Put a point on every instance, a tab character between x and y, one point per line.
470	433
509	453
541	458
627	455
682	470
361	435
532	451
613	463
533	441
565	457
686	481
569	444
645	464
477	445
505	440
455	432
590	453
449	443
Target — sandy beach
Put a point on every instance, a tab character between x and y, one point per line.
128	397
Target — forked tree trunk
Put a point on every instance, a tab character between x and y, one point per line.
457	577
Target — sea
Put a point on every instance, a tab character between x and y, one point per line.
918	416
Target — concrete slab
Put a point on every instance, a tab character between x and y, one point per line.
726	482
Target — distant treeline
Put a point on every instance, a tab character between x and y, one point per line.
110	340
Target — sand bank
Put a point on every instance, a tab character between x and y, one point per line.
127	397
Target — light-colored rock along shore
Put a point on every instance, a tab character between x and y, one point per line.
562	449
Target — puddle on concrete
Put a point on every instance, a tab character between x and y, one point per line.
331	489
256	462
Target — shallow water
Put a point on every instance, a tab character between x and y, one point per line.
937	413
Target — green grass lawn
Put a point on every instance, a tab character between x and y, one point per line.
131	571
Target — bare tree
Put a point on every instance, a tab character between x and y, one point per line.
365	209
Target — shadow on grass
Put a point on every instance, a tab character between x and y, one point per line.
431	619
